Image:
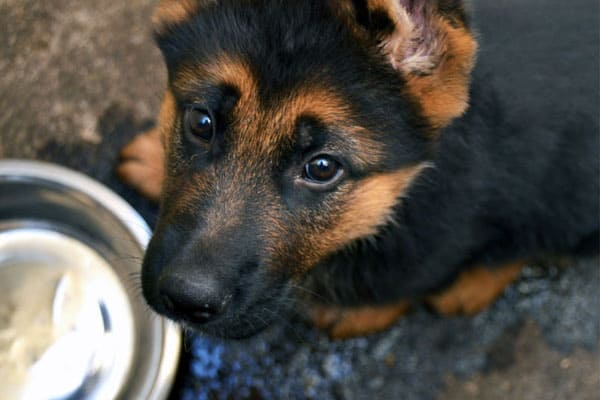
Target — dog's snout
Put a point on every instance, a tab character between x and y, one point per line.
199	301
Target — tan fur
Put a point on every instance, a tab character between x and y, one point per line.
344	323
362	208
370	205
166	117
141	164
320	102
170	12
475	289
444	94
142	160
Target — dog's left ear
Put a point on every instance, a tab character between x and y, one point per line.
427	41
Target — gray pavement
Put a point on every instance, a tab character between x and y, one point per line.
78	78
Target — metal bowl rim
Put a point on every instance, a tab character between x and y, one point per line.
130	218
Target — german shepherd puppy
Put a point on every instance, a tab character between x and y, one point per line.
342	153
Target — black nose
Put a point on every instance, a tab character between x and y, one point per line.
196	301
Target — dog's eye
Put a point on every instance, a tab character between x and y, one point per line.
322	169
199	125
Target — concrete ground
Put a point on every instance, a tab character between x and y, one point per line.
78	78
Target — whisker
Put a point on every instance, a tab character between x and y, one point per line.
286	323
318	296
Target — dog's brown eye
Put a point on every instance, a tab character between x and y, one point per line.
199	125
322	169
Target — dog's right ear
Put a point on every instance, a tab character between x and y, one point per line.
173	12
427	42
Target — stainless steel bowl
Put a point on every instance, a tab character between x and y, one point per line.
73	323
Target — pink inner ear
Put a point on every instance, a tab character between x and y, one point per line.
415	8
423	29
418	43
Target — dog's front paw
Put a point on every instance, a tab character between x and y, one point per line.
475	289
141	164
344	323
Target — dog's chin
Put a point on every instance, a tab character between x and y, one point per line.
243	323
246	316
233	328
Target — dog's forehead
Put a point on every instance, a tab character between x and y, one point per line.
281	41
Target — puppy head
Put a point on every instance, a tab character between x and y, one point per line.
290	131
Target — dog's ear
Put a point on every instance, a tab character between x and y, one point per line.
427	41
172	12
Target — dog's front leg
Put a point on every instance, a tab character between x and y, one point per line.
347	322
475	289
141	164
142	161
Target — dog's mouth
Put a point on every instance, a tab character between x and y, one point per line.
241	325
241	320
